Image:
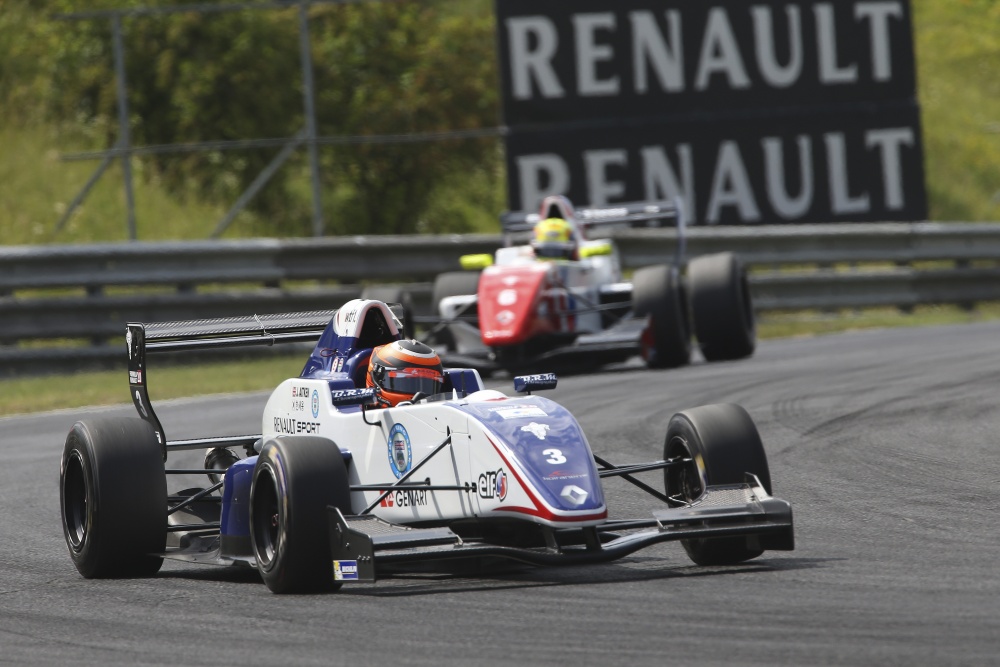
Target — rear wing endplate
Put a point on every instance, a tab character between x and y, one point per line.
209	334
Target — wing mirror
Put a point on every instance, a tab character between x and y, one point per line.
525	384
596	248
364	396
476	262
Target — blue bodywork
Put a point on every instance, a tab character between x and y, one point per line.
549	445
235	521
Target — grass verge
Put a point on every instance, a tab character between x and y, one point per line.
40	394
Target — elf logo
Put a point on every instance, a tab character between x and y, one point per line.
493	485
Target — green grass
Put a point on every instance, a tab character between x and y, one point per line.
40	394
36	187
958	58
28	395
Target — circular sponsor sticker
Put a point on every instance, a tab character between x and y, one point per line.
400	456
315	404
507	297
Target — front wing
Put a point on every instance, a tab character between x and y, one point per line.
359	545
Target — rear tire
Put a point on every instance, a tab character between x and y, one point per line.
453	283
726	440
113	498
657	291
722	308
294	481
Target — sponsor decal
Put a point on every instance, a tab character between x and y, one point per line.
562	474
520	412
135	377
574	495
293	426
352	396
315	404
507	297
510	281
338	365
142	407
345	570
493	485
536	429
505	317
405	498
400	456
300	392
128	342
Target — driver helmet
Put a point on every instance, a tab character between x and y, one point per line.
402	369
554	239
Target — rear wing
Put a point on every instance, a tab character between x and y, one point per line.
227	332
633	214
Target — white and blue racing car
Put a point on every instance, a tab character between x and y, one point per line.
334	490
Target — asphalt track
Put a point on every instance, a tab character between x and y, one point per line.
887	443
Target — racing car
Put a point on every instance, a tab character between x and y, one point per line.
528	308
336	491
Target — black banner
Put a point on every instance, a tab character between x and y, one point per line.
817	95
863	165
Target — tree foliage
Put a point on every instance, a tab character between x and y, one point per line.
381	67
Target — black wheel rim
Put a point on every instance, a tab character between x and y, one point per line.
266	517
75	501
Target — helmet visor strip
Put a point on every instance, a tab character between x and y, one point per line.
428	381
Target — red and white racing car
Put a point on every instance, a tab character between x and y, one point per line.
522	311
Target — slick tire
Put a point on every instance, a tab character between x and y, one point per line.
721	307
390	295
725	440
657	291
294	481
453	283
113	498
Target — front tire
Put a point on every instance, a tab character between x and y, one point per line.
722	308
724	445
113	498
294	481
657	291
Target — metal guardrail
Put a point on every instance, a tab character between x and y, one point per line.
52	293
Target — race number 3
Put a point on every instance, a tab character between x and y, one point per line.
554	456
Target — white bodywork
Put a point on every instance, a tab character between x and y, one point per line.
475	456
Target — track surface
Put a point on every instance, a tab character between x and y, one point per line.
887	444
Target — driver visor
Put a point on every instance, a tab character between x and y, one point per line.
413	380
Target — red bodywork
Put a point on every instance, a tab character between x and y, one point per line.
509	299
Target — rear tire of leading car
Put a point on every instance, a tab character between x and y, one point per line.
724	445
113	498
657	291
721	307
294	481
453	283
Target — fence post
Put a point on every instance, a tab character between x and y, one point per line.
310	112
124	142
